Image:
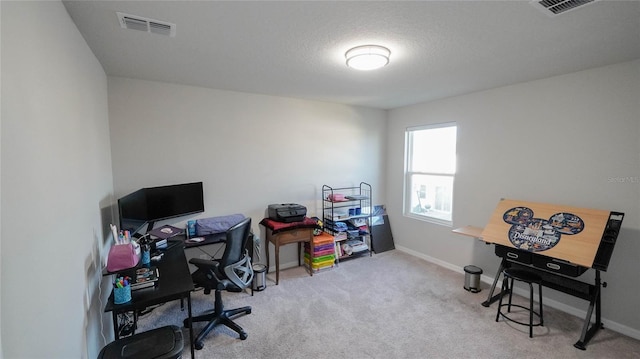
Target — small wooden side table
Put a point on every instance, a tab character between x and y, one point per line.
293	235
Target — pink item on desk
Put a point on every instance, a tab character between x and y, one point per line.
122	256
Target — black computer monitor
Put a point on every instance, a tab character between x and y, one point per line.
148	205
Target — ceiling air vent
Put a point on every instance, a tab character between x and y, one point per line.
557	7
134	22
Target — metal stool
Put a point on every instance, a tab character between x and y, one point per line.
526	277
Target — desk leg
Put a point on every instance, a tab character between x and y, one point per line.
588	333
492	298
266	250
277	261
190	326
311	249
114	316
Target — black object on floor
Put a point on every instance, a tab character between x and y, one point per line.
160	343
381	237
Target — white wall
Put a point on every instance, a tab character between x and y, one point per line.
571	139
56	183
252	150
249	150
1	356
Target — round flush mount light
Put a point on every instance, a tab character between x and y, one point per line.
367	57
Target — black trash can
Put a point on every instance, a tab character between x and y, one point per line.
472	278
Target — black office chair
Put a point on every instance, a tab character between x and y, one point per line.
233	272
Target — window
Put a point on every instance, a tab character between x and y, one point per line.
430	167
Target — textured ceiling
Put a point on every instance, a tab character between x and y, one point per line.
296	48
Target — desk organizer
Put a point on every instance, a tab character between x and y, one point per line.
122	295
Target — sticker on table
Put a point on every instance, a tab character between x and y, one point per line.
537	234
518	215
567	223
534	236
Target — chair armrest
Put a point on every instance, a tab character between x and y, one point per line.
204	263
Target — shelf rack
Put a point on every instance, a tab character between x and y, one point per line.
347	215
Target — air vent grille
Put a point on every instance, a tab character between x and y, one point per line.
158	28
134	22
557	7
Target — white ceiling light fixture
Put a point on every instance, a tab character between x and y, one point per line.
367	57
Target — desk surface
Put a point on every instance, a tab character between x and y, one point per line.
208	239
174	283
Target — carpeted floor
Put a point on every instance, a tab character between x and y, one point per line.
391	305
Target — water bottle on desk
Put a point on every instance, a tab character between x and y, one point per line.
191	229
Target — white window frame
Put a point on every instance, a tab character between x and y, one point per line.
447	176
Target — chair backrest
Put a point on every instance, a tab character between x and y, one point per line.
237	237
235	261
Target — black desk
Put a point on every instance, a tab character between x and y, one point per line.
174	283
214	239
208	239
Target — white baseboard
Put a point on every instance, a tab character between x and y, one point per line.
609	324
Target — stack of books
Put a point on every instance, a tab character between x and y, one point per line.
144	278
320	254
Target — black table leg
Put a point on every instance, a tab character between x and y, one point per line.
190	326
589	332
492	298
114	315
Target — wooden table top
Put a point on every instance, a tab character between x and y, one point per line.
471	231
567	233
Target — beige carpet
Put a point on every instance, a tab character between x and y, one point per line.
391	305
